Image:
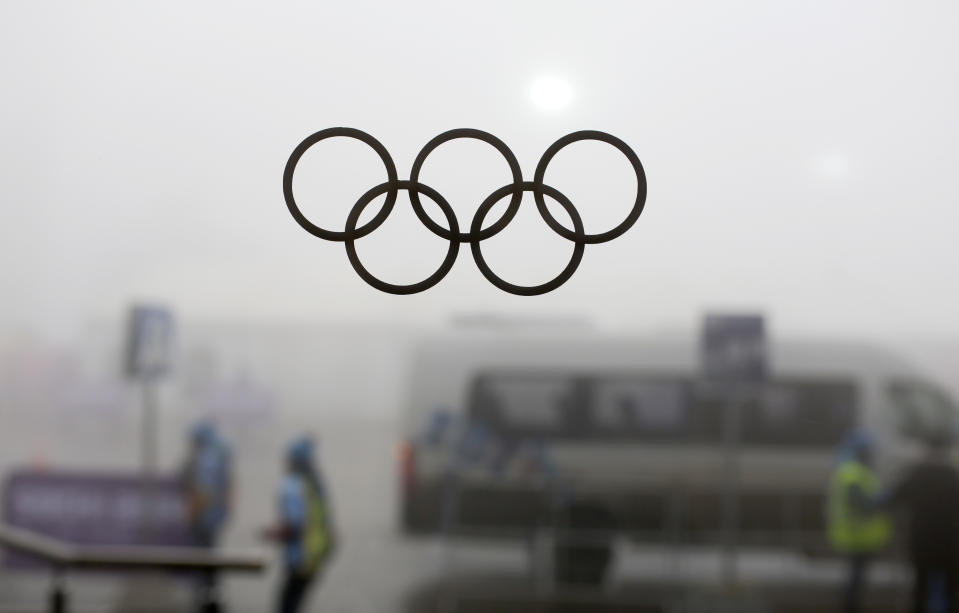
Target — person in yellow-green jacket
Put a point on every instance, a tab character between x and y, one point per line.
305	530
858	530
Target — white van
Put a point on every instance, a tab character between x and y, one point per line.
629	424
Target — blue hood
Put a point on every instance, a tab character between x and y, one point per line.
854	445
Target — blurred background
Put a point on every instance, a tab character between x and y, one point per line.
799	160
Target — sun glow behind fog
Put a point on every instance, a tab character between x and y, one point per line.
832	165
551	93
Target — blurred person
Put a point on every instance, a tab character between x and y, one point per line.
929	493
583	547
469	449
208	481
440	423
305	530
858	530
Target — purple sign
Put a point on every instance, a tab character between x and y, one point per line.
92	508
734	347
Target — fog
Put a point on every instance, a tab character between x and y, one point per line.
798	158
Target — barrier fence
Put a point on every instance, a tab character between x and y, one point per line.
63	556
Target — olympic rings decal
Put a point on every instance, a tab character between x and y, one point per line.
452	233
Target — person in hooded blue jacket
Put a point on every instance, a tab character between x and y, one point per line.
305	531
857	529
208	481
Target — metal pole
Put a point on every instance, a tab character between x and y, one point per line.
58	592
731	439
149	459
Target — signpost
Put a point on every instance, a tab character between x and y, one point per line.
149	355
734	359
734	348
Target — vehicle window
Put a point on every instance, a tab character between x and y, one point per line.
662	408
921	410
800	413
526	405
634	407
644	408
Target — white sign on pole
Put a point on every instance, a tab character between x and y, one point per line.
149	353
734	356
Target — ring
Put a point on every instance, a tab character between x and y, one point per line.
476	234
366	275
638	204
514	168
311	140
523	290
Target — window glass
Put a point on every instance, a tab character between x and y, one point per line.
921	410
662	408
525	405
584	407
804	413
643	407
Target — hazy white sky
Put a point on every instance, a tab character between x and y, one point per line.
800	157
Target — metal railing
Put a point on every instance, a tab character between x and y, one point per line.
63	556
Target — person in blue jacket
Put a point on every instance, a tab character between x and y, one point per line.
208	482
305	530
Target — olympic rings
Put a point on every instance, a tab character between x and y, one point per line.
477	233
